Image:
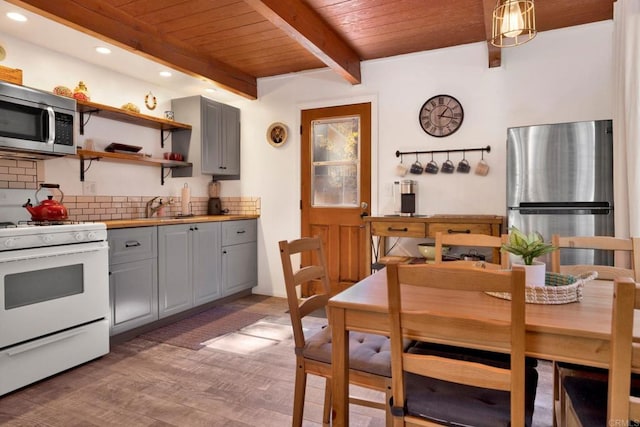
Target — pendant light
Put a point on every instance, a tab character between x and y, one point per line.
514	23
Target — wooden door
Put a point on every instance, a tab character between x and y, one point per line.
336	189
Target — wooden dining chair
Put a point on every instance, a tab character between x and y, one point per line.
473	240
434	384
612	402
605	272
369	355
607	243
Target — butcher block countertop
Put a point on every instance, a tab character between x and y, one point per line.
148	222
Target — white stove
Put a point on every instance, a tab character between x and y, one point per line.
28	235
54	299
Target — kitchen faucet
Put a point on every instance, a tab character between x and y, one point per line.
149	209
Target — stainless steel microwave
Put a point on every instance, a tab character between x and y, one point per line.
35	124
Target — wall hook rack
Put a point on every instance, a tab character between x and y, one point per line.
455	150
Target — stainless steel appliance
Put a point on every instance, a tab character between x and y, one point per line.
214	204
35	124
408	190
560	180
54	300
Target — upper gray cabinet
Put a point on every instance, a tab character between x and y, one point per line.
216	127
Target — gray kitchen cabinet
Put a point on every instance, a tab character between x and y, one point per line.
216	128
239	256
133	278
189	266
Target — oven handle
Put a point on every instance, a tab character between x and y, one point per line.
44	341
54	251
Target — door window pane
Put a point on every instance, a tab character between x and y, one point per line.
335	162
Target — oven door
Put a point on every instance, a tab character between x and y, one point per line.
45	290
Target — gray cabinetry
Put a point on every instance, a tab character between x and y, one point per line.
189	266
239	256
133	279
216	128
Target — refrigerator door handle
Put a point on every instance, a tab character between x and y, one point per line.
563	210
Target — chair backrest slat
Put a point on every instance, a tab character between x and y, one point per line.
624	353
294	278
427	323
471	240
608	243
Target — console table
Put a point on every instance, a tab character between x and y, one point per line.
428	226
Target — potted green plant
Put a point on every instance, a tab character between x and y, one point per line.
529	247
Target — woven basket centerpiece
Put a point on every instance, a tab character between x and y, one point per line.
558	289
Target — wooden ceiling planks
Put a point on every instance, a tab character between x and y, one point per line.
233	42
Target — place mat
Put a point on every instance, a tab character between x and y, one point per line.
193	331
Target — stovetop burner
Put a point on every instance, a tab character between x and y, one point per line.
26	223
34	234
58	222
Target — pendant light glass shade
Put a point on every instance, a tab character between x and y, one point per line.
514	23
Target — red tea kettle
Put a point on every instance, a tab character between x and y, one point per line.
47	210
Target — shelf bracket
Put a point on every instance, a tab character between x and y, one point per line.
163	138
83	123
84	170
162	175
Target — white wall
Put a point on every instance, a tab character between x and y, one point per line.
562	75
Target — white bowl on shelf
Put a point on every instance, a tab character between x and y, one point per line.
428	250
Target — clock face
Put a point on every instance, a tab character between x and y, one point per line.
441	115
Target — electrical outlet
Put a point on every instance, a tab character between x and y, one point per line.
89	188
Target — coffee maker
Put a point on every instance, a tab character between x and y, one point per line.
408	189
214	206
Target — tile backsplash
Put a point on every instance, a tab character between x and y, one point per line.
21	174
26	174
104	208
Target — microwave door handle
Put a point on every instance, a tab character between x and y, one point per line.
52	125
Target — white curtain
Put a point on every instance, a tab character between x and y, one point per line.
626	118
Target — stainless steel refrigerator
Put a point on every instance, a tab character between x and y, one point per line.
560	180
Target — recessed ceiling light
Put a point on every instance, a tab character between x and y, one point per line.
165	74
16	16
210	90
103	50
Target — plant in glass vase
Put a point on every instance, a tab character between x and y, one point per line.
529	247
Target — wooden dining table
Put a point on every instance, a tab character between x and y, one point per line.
577	332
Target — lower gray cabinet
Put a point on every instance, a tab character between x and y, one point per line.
239	256
133	278
188	266
158	271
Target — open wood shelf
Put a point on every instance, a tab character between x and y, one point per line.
126	116
128	158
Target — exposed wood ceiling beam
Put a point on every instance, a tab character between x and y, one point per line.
107	23
495	53
304	25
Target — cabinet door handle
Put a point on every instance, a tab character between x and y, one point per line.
224	252
240	232
132	244
452	231
405	229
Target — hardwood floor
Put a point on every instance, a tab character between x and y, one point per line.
144	383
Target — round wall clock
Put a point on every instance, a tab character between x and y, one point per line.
441	115
277	134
